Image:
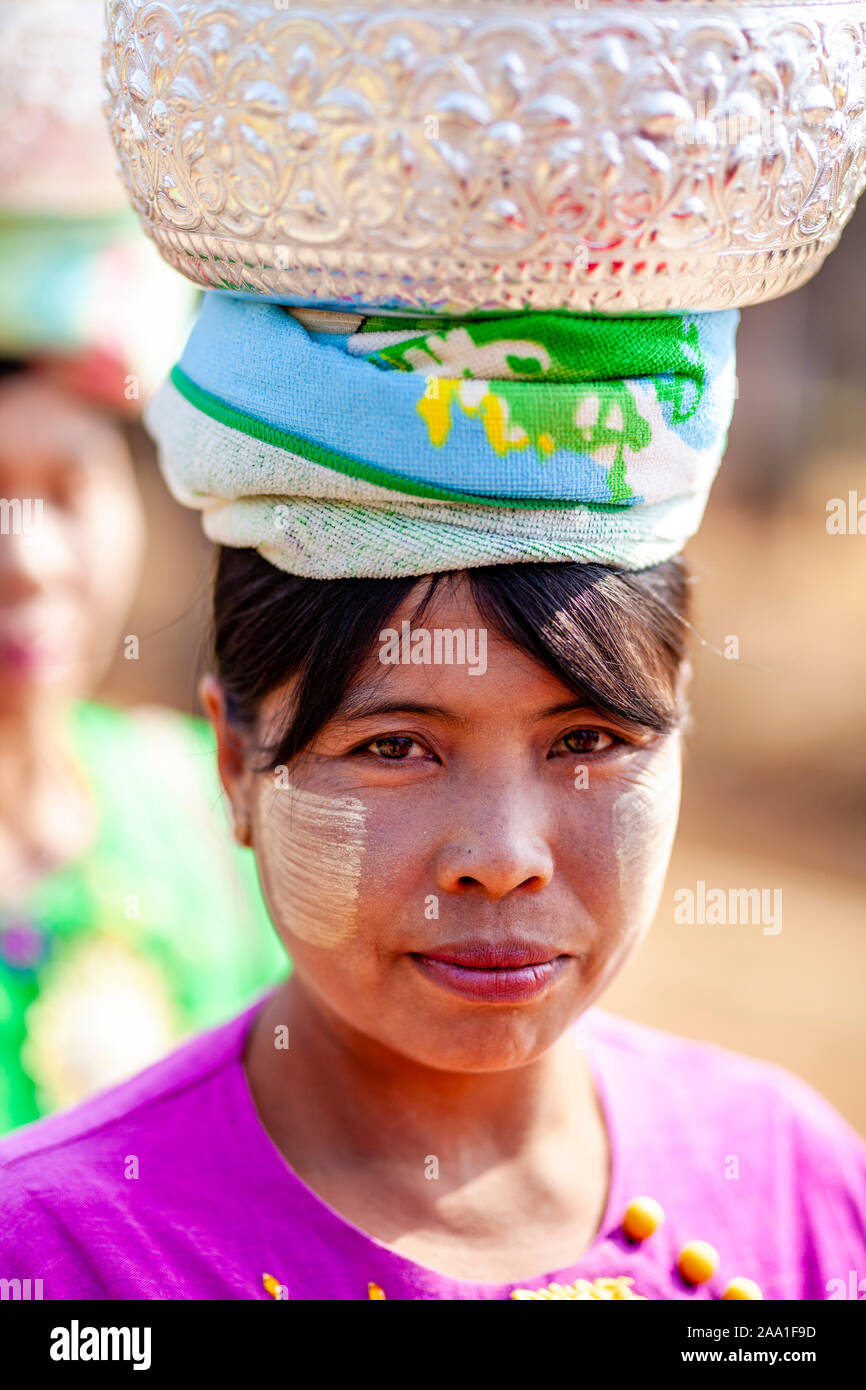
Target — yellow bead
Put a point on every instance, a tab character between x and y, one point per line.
742	1288
698	1261
643	1216
374	1292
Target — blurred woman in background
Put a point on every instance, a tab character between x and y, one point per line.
112	945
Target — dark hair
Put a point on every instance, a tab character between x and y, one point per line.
616	637
14	366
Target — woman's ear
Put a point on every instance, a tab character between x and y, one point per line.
231	756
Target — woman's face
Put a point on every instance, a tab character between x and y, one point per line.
71	538
448	822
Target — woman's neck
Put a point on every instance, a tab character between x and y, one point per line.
27	733
46	812
358	1124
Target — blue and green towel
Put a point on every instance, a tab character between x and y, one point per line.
394	446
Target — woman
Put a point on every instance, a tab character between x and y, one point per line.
459	853
112	946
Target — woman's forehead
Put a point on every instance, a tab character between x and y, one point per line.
482	680
445	597
43	427
32	406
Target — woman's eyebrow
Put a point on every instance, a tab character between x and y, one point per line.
568	707
365	706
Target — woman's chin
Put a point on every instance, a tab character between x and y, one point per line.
460	1035
499	1048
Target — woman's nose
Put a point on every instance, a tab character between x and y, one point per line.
496	851
30	557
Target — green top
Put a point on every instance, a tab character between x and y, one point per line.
157	932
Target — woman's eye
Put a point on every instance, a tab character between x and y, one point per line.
63	488
58	498
394	747
588	741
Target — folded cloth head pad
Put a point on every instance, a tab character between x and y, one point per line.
392	446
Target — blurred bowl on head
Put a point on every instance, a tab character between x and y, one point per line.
477	155
82	292
56	156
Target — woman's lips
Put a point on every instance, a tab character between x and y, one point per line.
22	657
500	976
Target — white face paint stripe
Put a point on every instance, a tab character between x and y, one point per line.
643	826
311	861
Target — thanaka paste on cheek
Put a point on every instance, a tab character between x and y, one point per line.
644	825
309	849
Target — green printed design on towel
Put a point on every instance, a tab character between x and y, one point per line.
550	380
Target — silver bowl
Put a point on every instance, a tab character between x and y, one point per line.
474	154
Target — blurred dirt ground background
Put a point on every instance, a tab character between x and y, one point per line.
775	784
